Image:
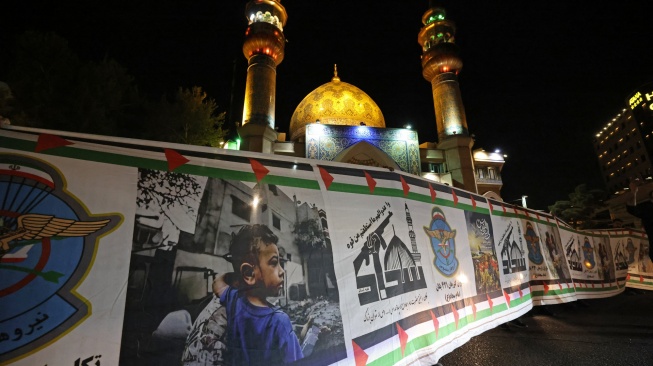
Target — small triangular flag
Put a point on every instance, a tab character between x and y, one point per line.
521	293
47	141
455	198
489	302
641	278
370	181
259	170
560	285
474	310
507	296
404	186
628	277
175	159
403	339
359	355
433	194
326	177
503	208
473	202
455	314
436	323
490	204
546	288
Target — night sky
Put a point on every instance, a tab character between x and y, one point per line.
539	78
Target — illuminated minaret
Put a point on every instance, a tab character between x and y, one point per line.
264	50
441	64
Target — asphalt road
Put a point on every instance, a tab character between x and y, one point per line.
614	331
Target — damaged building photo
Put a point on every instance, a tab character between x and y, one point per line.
183	231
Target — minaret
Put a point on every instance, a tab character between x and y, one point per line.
417	257
264	49
441	64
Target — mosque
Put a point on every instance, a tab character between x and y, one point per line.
339	122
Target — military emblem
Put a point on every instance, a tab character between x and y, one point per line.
47	244
442	242
588	254
533	241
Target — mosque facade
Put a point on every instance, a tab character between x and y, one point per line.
339	122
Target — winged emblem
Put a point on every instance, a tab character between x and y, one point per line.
440	234
36	227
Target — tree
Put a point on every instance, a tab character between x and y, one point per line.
54	89
163	190
315	248
309	237
6	100
189	118
581	209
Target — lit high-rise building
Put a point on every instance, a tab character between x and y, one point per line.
624	147
625	143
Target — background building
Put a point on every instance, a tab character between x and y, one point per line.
624	147
339	122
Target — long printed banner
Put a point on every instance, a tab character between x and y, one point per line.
110	249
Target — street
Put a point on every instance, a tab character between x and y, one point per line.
611	331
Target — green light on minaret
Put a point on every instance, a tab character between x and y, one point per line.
435	17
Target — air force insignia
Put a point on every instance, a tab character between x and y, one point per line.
533	240
47	244
588	254
442	242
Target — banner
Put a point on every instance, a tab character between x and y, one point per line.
632	263
116	251
591	258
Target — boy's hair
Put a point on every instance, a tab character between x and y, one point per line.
244	244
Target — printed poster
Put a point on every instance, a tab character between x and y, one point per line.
511	248
63	260
619	240
640	268
557	284
186	231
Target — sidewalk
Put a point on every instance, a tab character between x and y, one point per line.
614	331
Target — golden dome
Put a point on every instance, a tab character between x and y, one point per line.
335	103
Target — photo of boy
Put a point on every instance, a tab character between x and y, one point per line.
257	333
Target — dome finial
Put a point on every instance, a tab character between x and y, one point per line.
335	73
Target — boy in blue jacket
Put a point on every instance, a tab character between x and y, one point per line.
257	333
